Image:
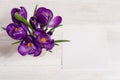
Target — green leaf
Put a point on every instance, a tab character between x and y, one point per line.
56	44
16	42
50	51
3	28
47	24
35	9
57	41
22	19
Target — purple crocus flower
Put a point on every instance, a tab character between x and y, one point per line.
55	21
29	46
22	11
33	22
44	39
16	31
39	31
43	16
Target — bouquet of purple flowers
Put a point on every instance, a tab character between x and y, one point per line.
35	34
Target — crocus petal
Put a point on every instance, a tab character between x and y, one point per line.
49	14
23	50
44	40
42	19
45	12
13	11
43	35
55	21
21	12
33	22
28	46
49	45
38	51
24	27
10	29
19	34
39	11
43	16
39	31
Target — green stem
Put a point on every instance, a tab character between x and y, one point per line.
47	24
57	41
35	9
56	44
50	51
16	42
21	19
3	28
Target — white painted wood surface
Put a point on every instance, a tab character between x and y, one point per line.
93	26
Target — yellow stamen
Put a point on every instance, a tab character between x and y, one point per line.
16	12
43	40
29	44
32	21
16	29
